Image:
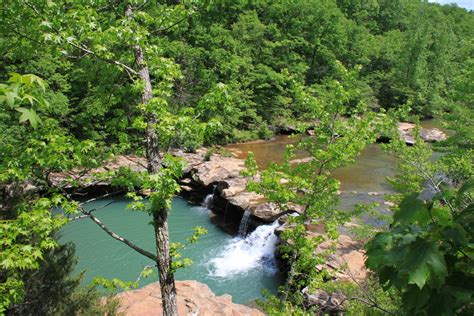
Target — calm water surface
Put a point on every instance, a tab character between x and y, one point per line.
367	174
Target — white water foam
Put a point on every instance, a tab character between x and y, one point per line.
243	254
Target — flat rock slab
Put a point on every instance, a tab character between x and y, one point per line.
86	177
348	262
429	135
218	169
193	298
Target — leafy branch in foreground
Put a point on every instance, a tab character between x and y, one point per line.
427	253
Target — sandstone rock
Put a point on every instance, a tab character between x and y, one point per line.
217	169
348	260
192	159
429	135
193	298
235	186
87	177
266	211
327	302
432	135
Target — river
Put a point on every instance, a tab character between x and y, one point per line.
238	266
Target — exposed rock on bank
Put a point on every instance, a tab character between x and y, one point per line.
347	262
429	135
193	298
221	176
89	178
406	130
218	174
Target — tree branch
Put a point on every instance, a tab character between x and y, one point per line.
118	237
111	233
101	197
83	47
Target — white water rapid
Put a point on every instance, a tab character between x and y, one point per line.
240	255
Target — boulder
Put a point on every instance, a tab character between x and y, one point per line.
429	135
193	298
325	301
432	135
218	169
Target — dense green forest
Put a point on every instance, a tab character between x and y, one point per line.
83	81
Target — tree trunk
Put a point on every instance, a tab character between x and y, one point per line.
168	287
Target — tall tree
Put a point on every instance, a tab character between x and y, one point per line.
160	214
100	33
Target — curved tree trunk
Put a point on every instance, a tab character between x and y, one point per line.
167	284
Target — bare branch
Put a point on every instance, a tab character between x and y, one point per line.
169	27
111	233
370	304
120	238
101	197
144	268
87	50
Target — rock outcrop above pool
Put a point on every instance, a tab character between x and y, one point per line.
193	298
90	178
221	176
218	174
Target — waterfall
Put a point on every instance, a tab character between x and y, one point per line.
240	255
207	203
244	223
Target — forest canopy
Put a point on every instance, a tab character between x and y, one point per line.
245	62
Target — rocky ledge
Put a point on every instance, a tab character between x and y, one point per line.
218	174
193	298
429	135
221	177
406	130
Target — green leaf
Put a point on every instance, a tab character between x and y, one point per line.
468	186
425	263
10	98
412	210
29	115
